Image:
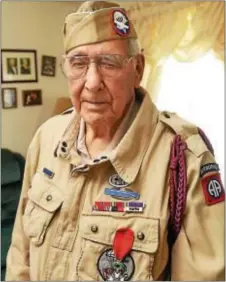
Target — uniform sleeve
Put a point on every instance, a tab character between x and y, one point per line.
17	268
198	253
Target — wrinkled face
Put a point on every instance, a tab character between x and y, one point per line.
101	99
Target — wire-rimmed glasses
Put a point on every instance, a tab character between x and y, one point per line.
109	65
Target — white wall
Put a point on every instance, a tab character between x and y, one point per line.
33	25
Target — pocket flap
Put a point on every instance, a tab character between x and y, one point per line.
105	228
45	194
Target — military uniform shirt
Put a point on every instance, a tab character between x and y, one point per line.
57	235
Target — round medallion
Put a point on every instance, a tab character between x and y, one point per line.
116	181
111	269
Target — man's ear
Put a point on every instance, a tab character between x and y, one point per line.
140	63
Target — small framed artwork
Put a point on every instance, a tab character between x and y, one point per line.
48	65
19	65
32	97
9	98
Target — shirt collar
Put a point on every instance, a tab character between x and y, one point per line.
120	132
65	148
128	155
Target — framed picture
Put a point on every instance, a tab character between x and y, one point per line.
19	66
48	65
32	97
9	98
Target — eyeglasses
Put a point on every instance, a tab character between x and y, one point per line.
109	65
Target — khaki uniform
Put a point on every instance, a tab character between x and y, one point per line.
57	236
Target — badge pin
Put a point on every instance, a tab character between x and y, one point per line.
121	194
48	172
116	181
121	23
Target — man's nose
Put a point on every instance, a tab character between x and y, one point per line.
94	80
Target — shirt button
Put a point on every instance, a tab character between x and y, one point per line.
166	115
103	158
94	228
49	198
64	144
140	236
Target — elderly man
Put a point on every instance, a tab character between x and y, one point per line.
114	189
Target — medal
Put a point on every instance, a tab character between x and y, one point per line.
116	264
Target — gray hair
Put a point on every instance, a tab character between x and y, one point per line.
134	47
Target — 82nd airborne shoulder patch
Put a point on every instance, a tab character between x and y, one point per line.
213	189
211	167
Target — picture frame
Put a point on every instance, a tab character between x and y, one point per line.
32	97
48	65
9	98
19	65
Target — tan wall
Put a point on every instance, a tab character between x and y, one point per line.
33	25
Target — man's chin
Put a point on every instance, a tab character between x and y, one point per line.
93	118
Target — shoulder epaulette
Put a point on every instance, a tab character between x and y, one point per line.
188	132
68	111
178	124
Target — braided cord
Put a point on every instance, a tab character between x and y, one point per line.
178	193
178	184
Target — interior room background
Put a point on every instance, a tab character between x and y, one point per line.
184	46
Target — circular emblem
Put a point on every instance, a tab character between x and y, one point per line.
121	23
111	269
214	188
116	181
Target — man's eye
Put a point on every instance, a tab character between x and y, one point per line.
109	64
78	64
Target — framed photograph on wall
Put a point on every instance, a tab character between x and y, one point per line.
19	66
9	98
32	97
48	65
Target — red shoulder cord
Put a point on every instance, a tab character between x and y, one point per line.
177	197
178	190
178	182
178	185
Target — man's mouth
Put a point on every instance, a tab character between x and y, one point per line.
95	102
95	105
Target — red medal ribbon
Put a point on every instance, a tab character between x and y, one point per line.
123	242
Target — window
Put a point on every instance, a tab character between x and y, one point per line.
195	90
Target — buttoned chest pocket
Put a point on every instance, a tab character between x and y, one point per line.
44	199
96	262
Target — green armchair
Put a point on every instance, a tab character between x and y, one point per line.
12	169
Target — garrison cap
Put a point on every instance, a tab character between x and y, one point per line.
96	21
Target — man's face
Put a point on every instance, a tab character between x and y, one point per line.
12	62
101	99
